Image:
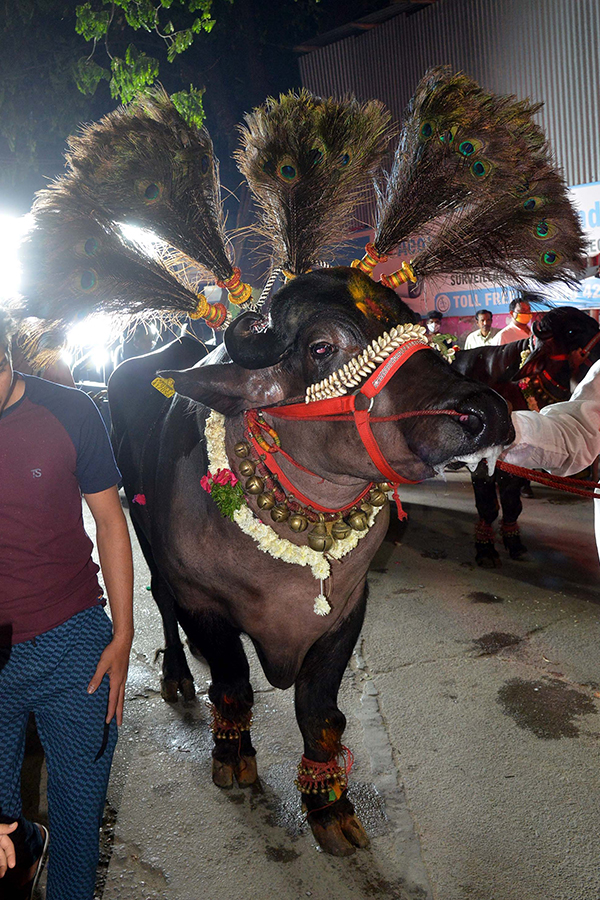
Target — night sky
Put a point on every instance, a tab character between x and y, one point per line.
247	56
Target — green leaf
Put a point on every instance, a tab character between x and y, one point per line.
228	498
87	75
89	24
132	74
189	105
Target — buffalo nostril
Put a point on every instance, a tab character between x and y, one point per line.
471	423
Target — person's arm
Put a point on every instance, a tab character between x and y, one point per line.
7	848
114	550
565	437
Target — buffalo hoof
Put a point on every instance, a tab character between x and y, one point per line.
222	774
170	687
337	830
243	770
486	556
246	772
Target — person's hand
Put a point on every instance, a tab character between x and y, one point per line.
114	662
7	848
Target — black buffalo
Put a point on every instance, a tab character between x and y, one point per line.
209	576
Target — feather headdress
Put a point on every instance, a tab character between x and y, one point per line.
144	166
474	173
307	162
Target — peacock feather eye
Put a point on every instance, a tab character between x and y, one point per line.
150	190
448	136
524	186
268	167
90	246
205	164
88	280
533	203
344	160
550	258
481	168
427	130
470	146
544	230
287	171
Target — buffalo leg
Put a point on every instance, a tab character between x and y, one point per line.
509	488
176	675
231	696
330	812
486	501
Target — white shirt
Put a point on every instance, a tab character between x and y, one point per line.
476	339
512	332
564	438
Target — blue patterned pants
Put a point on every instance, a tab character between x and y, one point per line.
48	677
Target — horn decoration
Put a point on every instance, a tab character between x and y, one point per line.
351	374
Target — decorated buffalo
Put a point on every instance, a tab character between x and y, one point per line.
257	574
258	476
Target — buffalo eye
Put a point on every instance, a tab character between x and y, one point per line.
322	350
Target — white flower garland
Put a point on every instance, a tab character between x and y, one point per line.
268	541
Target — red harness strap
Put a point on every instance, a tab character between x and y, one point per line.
344	408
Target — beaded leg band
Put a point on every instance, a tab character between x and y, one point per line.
484	533
510	529
227	730
326	778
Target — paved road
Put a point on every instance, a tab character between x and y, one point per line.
472	703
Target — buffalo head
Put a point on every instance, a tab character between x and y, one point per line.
318	322
555	338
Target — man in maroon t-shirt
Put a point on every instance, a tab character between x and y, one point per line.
61	658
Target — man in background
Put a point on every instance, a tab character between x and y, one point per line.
484	333
519	326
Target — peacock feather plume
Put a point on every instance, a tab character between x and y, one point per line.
143	165
308	162
474	173
75	265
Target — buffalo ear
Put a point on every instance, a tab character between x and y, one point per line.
230	389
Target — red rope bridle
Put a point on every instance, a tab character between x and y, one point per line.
344	409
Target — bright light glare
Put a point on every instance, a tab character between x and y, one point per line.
95	331
147	240
12	230
99	358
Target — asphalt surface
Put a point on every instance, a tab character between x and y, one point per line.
472	703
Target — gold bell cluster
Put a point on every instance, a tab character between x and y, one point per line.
324	534
352	373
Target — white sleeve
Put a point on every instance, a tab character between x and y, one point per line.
565	437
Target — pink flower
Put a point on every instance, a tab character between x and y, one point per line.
224	476
205	482
140	499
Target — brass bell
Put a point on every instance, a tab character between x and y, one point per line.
340	530
319	538
242	449
366	508
358	520
385	486
280	513
266	500
377	497
247	468
298	522
255	485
